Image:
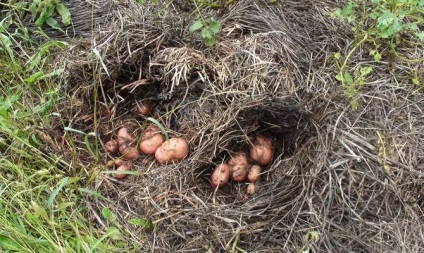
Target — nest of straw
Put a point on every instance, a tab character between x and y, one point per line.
270	72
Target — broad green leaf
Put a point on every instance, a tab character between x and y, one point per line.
33	8
9	244
215	27
45	14
412	26
210	41
365	71
348	78
141	223
54	73
53	23
195	26
206	33
35	140
420	36
339	77
6	44
374	15
114	233
34	77
107	214
111	232
7	102
64	13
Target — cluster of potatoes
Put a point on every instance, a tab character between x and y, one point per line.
152	142
238	168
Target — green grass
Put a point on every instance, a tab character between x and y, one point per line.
42	207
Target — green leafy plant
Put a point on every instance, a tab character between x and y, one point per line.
140	222
309	239
208	28
352	80
44	10
385	19
377	23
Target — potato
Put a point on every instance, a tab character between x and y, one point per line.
143	108
152	140
251	188
149	146
112	147
238	158
254	173
124	137
220	175
150	131
129	152
238	173
238	167
119	162
124	167
261	150
172	150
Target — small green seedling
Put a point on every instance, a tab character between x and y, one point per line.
208	28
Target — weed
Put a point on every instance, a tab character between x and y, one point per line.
42	12
208	28
376	22
385	19
310	238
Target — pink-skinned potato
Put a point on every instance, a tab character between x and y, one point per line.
172	150
129	152
238	158
151	141
251	188
127	166
254	173
149	146
238	167
151	130
238	173
112	147
261	150
119	162
220	175
144	107
124	138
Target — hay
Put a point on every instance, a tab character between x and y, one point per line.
269	72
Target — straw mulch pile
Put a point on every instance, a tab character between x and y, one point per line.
340	181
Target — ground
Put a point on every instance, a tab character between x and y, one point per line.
343	110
